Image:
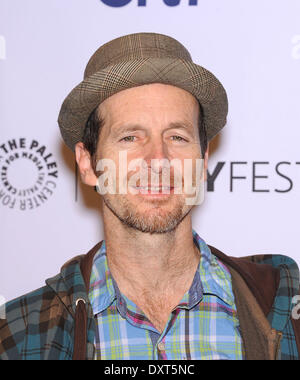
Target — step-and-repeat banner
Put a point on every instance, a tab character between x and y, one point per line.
253	190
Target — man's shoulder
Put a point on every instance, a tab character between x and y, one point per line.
58	287
28	302
19	316
26	318
54	292
258	266
267	275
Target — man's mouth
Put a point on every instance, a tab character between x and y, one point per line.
154	189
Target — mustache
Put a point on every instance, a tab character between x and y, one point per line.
158	179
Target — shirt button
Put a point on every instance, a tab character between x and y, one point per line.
161	346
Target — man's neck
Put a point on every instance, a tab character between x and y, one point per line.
153	264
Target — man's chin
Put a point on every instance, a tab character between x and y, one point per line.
152	225
149	217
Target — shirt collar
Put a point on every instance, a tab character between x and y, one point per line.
215	276
211	277
101	292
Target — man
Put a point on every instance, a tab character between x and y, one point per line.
152	289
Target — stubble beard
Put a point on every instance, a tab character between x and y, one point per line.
155	219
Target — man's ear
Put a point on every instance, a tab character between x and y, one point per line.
206	162
84	162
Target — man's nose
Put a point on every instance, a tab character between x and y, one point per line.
155	150
156	156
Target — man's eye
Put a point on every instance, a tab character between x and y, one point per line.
128	138
178	138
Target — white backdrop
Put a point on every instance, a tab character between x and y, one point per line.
253	47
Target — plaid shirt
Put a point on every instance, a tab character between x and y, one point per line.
204	325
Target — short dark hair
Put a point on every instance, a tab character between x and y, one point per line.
92	131
95	123
202	132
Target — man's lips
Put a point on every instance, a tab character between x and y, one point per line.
154	189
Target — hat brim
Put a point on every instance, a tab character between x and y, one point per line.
93	90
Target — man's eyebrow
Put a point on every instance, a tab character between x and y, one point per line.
128	128
179	124
136	127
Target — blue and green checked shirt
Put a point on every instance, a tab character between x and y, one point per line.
204	325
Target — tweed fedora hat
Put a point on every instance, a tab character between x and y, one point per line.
134	60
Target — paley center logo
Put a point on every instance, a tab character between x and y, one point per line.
28	174
144	3
158	179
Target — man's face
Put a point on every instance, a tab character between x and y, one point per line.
154	121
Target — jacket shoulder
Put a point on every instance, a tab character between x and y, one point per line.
264	274
23	316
